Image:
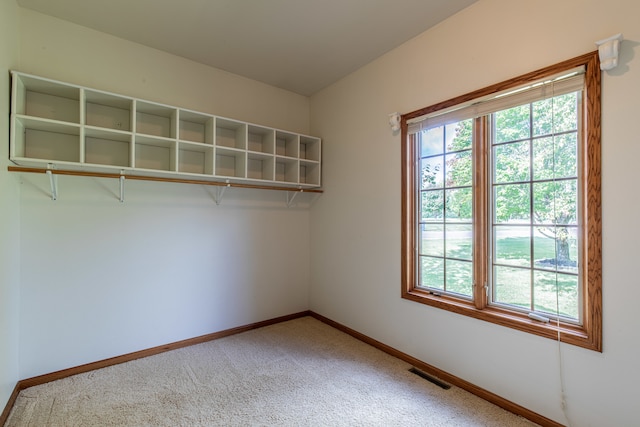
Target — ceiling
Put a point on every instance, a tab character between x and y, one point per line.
298	45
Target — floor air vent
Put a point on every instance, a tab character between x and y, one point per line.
430	378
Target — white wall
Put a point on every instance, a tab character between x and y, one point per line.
355	226
101	278
9	213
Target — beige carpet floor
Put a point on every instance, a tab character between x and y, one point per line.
296	373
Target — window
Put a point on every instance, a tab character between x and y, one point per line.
501	203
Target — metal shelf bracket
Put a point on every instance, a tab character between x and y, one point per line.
53	181
122	186
291	196
217	197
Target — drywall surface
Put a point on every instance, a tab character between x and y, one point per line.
355	226
102	278
9	213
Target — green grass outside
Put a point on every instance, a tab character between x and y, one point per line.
513	285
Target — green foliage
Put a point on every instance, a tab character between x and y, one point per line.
512	124
511	162
538	142
555	115
555	157
512	203
447	163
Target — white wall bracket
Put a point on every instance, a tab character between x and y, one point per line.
608	50
53	181
394	122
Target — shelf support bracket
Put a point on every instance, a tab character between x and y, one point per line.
53	181
291	196
122	187
220	192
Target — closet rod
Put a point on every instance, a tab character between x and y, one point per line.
161	179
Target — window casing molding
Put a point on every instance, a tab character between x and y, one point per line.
587	335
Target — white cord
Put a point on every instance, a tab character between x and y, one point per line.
563	398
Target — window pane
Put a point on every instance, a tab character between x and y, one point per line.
543	117
431	172
459	135
459	204
511	162
555	157
432	272
557	114
555	202
459	241
512	203
565	112
512	124
512	286
459	169
447	196
556	294
460	277
512	245
556	247
431	142
432	240
432	205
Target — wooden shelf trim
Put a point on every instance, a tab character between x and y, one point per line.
162	179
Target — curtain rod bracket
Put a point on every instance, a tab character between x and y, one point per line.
608	50
394	122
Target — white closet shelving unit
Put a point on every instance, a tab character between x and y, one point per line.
65	127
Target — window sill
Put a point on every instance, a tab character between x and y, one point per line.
569	334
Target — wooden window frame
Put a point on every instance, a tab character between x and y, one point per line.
589	334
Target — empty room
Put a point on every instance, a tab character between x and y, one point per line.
355	212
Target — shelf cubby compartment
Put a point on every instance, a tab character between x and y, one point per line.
231	134
195	127
155	119
110	148
90	129
155	153
260	139
45	140
260	166
230	163
287	144
108	111
46	99
309	148
195	158
309	173
287	170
